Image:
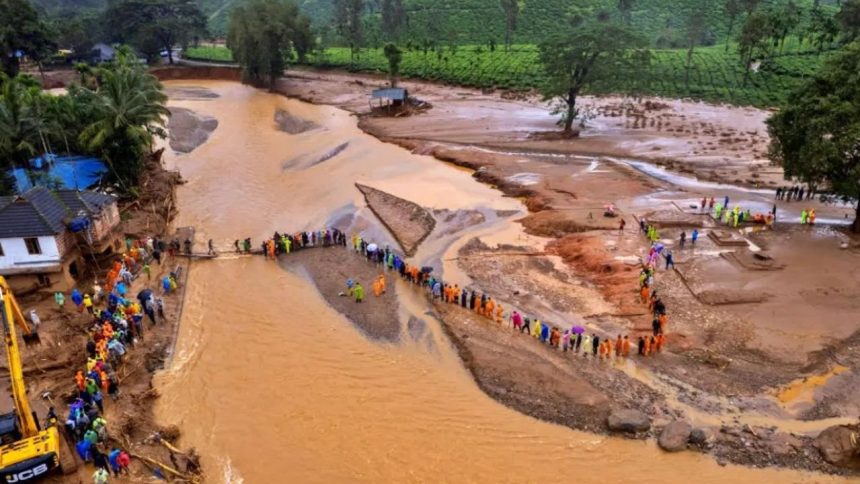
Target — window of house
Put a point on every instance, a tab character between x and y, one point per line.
33	247
44	280
1	250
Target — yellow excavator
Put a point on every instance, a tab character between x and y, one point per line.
27	452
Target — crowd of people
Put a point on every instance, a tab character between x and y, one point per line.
794	193
285	243
573	339
116	325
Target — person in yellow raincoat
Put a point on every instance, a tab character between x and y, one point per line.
537	329
499	313
358	291
488	307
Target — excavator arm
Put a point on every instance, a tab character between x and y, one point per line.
11	311
27	453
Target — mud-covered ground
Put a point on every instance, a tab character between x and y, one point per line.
330	268
50	366
741	351
408	223
188	129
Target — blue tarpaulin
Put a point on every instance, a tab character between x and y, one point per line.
70	172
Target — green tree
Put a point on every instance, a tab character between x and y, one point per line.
815	136
625	7
511	9
129	111
696	22
17	127
583	56
753	39
822	28
348	22
791	15
394	56
21	31
749	6
263	35
733	8
155	25
393	19
849	19
78	32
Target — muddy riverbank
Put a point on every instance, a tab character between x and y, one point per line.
346	398
737	358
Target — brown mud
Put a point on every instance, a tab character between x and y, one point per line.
408	222
293	124
188	129
330	268
720	350
50	366
715	374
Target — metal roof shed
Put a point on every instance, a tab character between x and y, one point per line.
395	95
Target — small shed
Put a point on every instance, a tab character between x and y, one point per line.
102	53
389	96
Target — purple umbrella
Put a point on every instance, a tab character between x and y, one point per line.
577	329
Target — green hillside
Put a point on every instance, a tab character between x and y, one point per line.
716	75
479	21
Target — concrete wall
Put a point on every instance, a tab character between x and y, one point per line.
15	252
103	225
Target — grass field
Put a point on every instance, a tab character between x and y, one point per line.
715	76
209	53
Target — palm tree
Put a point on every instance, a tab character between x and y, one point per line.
129	111
18	132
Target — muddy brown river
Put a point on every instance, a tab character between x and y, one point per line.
270	384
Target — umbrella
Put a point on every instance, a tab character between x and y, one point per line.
372	248
577	329
144	295
427	269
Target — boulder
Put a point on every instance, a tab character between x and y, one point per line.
631	421
702	436
840	445
675	436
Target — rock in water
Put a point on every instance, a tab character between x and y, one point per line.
631	421
674	436
840	445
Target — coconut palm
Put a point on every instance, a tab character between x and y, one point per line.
18	134
129	111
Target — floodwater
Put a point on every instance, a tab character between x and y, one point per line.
270	384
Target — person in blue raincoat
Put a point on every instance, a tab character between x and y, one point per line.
78	299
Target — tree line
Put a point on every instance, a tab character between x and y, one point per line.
113	112
151	27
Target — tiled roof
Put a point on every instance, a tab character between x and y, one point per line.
40	212
91	203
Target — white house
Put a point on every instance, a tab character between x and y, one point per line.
37	247
102	53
